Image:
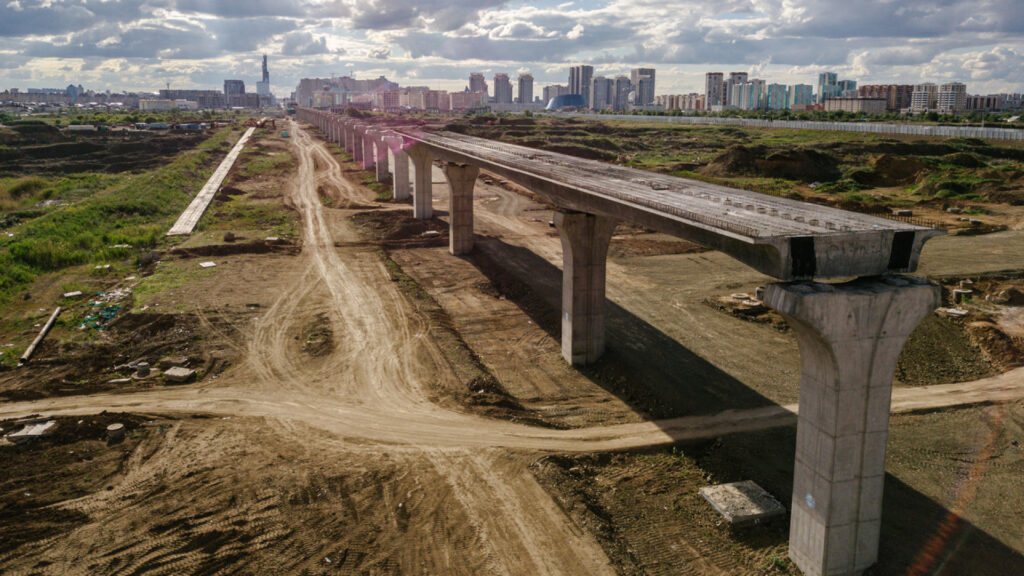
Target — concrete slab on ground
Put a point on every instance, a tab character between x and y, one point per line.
742	503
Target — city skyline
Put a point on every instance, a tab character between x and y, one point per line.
136	45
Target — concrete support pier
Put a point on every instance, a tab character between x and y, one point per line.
383	173
369	152
350	138
461	179
422	193
400	178
585	239
357	143
850	336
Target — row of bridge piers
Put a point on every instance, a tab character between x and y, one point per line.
850	336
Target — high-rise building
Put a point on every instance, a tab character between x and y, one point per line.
502	89
234	93
801	95
925	97
579	80
827	86
602	93
897	96
713	87
526	89
263	86
554	91
623	86
734	79
777	97
643	84
952	98
750	95
847	88
233	87
477	83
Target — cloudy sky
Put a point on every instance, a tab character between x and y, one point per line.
144	44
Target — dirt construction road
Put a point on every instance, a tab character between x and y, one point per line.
370	396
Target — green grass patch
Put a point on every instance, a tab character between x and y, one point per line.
134	210
169	276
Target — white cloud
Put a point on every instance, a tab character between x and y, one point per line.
575	33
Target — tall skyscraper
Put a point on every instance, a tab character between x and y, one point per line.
713	87
643	83
777	97
827	86
263	86
477	83
502	89
526	89
579	80
801	94
623	86
602	93
846	88
734	79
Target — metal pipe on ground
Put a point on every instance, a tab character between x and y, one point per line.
39	339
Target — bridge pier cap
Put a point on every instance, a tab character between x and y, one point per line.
850	337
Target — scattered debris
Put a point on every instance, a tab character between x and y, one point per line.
32	431
229	236
173	362
431	234
42	334
73	294
207	264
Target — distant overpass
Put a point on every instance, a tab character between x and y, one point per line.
850	334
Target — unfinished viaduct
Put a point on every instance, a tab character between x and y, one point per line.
850	333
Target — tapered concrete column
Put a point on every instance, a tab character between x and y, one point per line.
585	239
422	182
381	150
350	137
357	143
850	336
369	151
461	178
400	173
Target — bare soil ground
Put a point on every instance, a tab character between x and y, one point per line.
389	409
41	148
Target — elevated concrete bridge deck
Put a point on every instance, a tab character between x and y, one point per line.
850	334
783	238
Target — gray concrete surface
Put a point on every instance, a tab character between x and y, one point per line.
850	337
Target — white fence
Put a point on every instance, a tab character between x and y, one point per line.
870	127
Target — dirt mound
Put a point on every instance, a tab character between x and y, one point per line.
998	347
799	164
964	160
889	170
941	351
